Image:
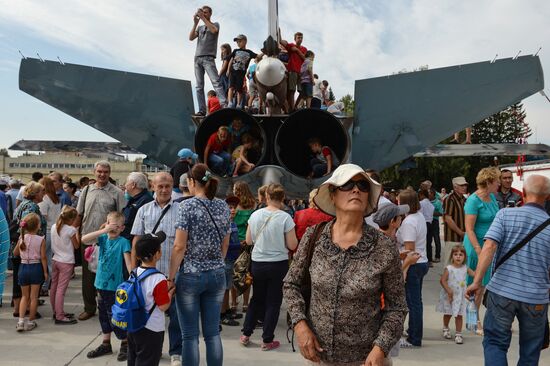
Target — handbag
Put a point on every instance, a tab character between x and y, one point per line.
242	276
91	255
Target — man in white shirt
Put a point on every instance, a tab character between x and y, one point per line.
427	209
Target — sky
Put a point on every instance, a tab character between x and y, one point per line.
352	40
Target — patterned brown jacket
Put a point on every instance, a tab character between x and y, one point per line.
345	312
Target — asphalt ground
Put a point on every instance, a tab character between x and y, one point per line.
51	344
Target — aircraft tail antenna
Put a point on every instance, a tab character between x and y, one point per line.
61	62
544	95
39	57
22	55
517	54
537	53
494	58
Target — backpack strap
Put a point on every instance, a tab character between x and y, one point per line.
148	272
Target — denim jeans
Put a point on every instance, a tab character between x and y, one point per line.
174	330
105	301
200	293
267	296
208	64
413	292
497	326
220	162
318	167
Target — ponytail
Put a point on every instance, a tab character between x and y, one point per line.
203	177
30	223
22	245
67	216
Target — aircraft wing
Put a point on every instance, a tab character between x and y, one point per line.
444	151
399	115
149	113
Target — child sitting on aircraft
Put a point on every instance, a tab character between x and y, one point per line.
236	130
216	153
324	160
240	156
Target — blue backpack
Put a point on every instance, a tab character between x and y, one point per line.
129	311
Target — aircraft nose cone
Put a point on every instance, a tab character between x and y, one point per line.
270	71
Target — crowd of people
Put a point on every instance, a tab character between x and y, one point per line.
235	84
334	254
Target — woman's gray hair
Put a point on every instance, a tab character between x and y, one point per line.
103	163
139	179
537	185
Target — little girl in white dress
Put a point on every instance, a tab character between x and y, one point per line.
452	300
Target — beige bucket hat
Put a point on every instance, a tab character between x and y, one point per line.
339	177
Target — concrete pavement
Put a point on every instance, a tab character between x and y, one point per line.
51	344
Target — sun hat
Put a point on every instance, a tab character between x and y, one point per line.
458	181
387	211
187	153
339	177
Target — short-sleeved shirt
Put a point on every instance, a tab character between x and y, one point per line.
146	219
427	210
269	236
413	228
217	146
213	104
453	206
524	276
98	202
241	59
305	71
207	42
294	61
155	291
111	259
50	211
485	213
241	219
62	244
438	206
325	152
204	234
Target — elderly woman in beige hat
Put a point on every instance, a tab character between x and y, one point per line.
351	266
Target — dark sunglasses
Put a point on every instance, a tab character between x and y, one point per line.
363	185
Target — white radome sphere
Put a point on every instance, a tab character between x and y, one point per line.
270	71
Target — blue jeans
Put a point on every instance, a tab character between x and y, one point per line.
497	327
174	330
200	293
220	162
208	64
413	292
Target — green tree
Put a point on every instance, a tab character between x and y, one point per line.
507	126
349	104
4	152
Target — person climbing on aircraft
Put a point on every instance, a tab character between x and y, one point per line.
216	153
324	160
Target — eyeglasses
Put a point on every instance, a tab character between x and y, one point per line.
363	185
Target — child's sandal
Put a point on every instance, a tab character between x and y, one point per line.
447	333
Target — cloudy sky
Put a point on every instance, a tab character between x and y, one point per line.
352	40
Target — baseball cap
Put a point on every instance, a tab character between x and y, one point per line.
148	244
239	37
186	153
387	212
459	181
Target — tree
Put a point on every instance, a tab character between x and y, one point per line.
4	152
507	126
349	104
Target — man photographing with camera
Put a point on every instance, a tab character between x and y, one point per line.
205	55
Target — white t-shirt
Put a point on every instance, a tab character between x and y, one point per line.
270	245
427	209
62	245
50	211
413	228
156	320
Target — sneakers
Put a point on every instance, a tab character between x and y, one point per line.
406	344
101	350
30	325
458	338
123	352
226	320
270	346
447	333
20	326
175	360
245	341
